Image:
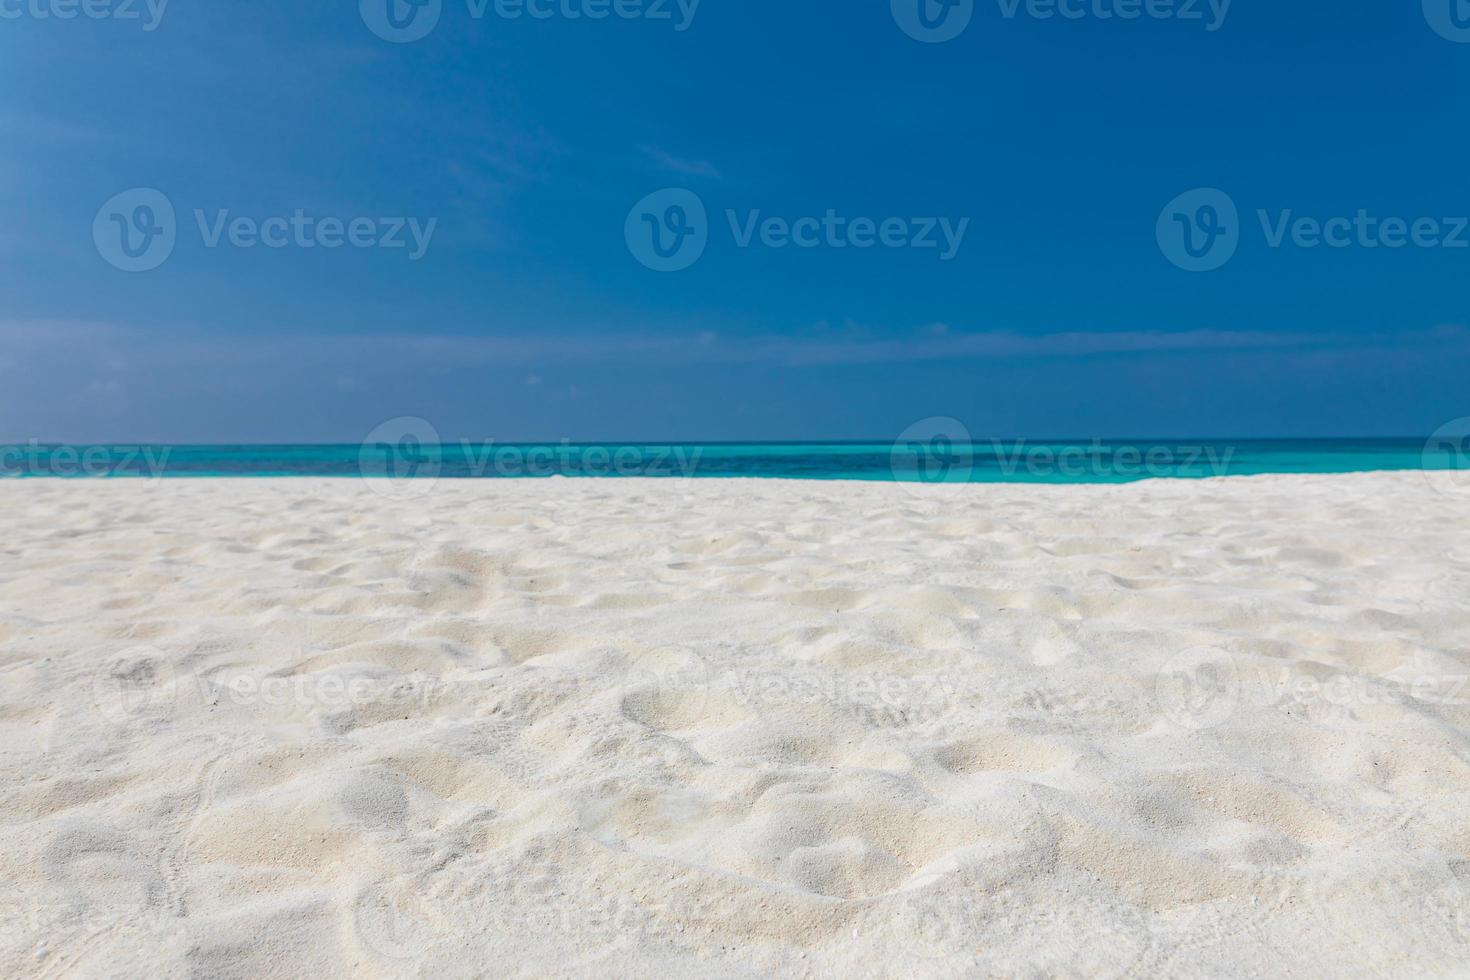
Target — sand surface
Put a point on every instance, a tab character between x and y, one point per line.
727	728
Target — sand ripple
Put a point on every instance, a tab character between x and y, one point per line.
735	728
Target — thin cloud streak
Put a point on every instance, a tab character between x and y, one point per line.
120	346
678	165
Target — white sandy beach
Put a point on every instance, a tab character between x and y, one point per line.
735	728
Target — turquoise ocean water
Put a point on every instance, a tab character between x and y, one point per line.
937	460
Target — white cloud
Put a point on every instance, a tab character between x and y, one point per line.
115	348
679	165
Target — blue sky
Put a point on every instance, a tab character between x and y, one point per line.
526	142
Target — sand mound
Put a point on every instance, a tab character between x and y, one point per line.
731	728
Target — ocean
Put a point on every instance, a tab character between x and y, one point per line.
934	460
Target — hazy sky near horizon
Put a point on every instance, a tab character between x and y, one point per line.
994	228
